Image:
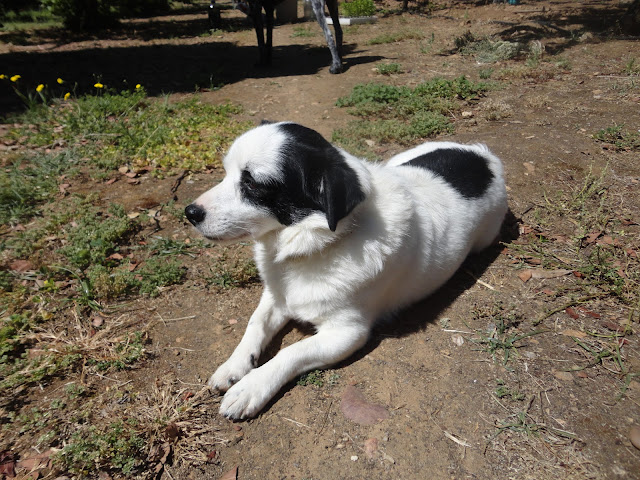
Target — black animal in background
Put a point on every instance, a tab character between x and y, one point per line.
265	47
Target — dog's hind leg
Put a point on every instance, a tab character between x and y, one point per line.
333	342
265	322
318	9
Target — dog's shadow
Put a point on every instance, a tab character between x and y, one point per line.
414	318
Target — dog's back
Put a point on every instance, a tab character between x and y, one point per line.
448	200
471	173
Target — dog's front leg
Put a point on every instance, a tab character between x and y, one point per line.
333	342
265	322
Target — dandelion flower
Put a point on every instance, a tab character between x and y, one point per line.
15	78
2	76
60	81
67	96
39	88
99	85
138	87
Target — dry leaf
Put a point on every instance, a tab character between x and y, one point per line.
21	266
611	325
573	333
571	312
589	313
457	340
7	463
230	475
550	273
357	408
525	275
592	237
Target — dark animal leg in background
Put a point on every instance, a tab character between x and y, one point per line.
256	16
332	5
268	11
318	9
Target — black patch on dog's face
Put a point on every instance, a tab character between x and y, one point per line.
466	171
315	178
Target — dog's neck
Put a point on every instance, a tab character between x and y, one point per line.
312	234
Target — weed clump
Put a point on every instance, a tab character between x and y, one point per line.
403	115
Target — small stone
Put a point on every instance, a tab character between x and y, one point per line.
354	458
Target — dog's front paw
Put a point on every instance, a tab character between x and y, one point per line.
247	397
231	372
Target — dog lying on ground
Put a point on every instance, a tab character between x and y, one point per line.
339	242
265	48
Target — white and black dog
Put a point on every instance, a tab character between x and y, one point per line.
340	241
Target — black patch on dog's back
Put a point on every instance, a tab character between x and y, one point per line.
316	177
466	171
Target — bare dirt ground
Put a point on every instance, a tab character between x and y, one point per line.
438	385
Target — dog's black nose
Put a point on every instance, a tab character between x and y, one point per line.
195	214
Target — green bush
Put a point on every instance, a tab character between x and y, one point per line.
358	8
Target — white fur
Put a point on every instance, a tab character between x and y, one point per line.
407	238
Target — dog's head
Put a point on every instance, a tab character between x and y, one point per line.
278	175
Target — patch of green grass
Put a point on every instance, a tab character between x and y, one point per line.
30	181
389	68
396	37
92	238
594	245
12	330
124	353
503	391
316	377
632	67
620	137
487	49
117	448
127	128
319	378
403	115
238	274
358	8
501	335
303	31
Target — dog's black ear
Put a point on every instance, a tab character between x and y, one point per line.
340	192
317	177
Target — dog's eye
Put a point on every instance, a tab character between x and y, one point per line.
248	181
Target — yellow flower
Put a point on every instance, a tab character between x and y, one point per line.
60	81
15	78
2	76
67	96
138	87
99	85
39	88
